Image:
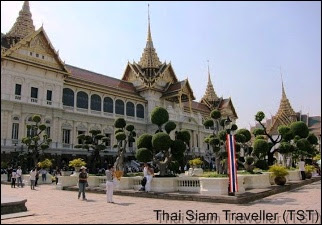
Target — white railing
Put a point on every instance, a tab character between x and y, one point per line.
189	184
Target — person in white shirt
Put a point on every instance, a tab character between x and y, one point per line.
301	165
13	178
150	174
33	178
19	178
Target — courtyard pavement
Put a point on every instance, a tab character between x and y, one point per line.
46	205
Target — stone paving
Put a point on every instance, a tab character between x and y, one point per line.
51	206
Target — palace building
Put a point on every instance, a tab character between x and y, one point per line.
71	100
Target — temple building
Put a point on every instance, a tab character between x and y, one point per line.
71	100
286	115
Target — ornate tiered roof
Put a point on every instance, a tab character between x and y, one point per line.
285	114
210	94
24	23
149	59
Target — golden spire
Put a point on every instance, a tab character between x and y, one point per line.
285	114
24	24
149	57
210	94
285	106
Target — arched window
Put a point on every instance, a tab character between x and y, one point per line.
119	107
96	103
108	105
68	97
139	111
129	109
82	100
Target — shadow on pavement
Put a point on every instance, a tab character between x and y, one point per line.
124	204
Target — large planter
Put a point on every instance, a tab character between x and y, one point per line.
76	172
280	180
195	172
308	175
66	173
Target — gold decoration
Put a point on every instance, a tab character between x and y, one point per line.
285	114
210	94
24	24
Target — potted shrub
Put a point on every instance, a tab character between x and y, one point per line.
309	169
195	170
77	164
279	172
45	164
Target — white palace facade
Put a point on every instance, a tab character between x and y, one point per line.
72	100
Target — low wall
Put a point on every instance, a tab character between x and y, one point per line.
66	181
26	179
202	185
293	175
256	180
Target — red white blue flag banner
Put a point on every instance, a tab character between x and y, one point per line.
232	163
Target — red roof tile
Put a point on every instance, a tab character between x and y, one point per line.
93	77
197	106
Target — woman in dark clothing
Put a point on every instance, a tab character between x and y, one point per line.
82	182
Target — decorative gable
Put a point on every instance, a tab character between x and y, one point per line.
36	49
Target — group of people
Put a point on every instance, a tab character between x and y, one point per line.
111	181
15	176
148	173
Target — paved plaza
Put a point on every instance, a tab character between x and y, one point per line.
49	205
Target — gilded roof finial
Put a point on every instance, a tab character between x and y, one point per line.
149	57
24	23
210	94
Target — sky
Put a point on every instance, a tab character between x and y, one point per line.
248	45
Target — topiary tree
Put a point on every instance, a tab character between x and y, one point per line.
159	116
36	141
93	142
159	147
124	134
217	139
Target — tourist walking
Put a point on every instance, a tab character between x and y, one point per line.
150	174
43	175
109	183
19	176
145	174
13	178
33	178
301	165
82	181
37	176
57	173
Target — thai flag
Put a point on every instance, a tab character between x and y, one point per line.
232	163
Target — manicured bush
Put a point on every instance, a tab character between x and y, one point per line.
129	127
258	131
144	141
120	123
299	128
184	135
260	146
261	164
215	114
161	141
120	136
208	123
246	133
170	126
143	155
259	116
159	116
